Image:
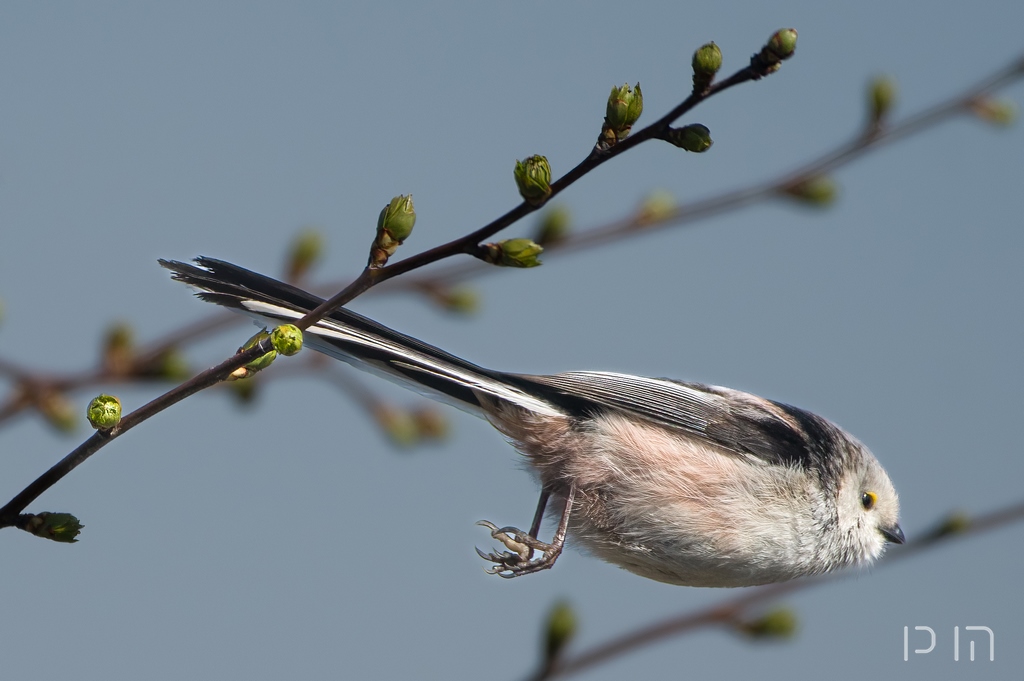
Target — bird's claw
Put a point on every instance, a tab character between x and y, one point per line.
518	560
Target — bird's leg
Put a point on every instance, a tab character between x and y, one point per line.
519	560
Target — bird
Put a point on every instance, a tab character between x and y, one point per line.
679	482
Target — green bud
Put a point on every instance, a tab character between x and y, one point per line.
286	339
782	44
62	527
258	364
706	62
954	523
533	177
625	104
554	225
104	412
58	411
695	138
459	299
398	424
779	47
171	365
881	97
305	250
778	623
118	353
511	253
559	630
659	205
245	390
998	111
394	225
431	423
819	191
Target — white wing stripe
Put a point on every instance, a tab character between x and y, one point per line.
408	358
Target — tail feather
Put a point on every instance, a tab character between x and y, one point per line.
356	339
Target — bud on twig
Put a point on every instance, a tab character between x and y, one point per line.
657	206
695	138
997	111
553	227
625	104
104	412
431	424
286	339
245	391
779	623
118	353
779	47
258	364
706	62
511	253
533	177
394	225
955	523
459	299
305	251
62	527
558	632
819	191
881	97
58	411
169	365
398	424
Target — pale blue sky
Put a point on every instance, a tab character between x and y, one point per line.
291	540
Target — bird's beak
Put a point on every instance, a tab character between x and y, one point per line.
893	534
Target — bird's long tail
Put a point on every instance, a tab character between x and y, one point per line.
359	341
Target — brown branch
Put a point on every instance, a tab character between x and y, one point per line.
367	279
99	439
467	244
871	137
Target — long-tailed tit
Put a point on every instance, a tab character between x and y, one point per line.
680	482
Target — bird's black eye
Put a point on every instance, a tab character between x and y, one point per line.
867	500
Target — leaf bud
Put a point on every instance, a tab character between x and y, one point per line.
559	630
104	412
306	249
819	190
62	527
58	411
533	178
781	46
256	365
707	60
778	623
553	226
881	97
512	253
695	138
659	205
286	339
394	225
998	111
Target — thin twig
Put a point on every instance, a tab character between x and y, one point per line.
467	244
367	279
99	439
868	139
